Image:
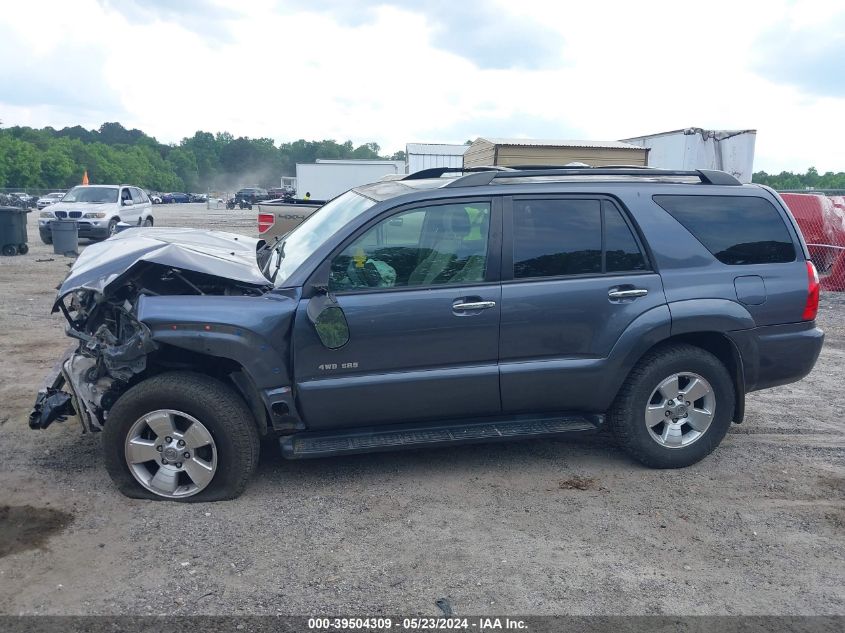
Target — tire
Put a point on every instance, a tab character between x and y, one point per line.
669	443
148	222
112	229
225	416
23	249
10	250
47	239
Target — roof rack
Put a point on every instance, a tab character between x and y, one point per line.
487	175
437	172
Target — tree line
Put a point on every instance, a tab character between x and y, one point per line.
55	159
812	179
47	158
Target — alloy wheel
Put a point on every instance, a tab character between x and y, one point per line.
680	410
171	453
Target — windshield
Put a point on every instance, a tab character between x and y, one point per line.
316	230
95	195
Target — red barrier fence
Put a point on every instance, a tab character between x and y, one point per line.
822	221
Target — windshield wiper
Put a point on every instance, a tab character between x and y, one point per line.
280	249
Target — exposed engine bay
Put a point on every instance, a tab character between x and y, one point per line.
100	299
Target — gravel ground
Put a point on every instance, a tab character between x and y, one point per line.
538	527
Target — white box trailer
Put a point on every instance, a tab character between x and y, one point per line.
326	179
696	148
427	155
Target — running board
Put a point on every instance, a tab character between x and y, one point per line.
386	438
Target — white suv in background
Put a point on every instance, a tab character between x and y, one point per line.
97	210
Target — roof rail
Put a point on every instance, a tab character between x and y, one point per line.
437	172
706	176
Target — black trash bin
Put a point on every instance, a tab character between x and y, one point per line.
13	231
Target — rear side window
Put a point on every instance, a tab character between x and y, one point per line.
737	230
553	238
556	237
622	254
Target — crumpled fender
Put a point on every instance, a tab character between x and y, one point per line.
252	331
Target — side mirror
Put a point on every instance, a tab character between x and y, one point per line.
128	203
328	320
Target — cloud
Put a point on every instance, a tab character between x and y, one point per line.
487	34
70	76
411	71
204	17
810	57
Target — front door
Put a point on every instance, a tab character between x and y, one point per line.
578	278
420	292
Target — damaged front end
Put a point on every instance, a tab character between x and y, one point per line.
100	299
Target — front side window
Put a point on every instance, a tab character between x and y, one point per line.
436	245
737	230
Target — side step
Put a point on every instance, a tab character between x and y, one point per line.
388	438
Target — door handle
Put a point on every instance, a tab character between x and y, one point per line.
631	293
474	305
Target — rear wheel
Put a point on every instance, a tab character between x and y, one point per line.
675	407
10	250
183	437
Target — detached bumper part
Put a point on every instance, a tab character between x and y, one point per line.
50	405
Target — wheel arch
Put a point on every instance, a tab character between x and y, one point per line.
723	348
229	371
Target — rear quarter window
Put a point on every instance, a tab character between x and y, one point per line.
737	230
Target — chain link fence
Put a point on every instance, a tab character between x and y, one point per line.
821	218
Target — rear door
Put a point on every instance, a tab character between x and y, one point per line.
129	213
575	276
421	295
142	204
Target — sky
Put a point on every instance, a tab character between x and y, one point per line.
437	71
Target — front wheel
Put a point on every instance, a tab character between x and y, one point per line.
675	407
183	437
148	222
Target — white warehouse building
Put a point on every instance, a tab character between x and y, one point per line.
427	155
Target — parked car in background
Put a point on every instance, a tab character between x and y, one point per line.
49	199
24	199
97	210
175	197
198	197
276	218
281	193
251	195
497	305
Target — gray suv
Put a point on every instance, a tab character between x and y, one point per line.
489	305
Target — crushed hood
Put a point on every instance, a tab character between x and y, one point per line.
216	253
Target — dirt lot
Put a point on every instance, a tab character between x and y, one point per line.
569	526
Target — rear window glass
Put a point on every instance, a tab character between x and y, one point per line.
736	229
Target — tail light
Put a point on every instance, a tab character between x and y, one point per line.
265	221
812	306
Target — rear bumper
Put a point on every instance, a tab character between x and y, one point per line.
778	354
